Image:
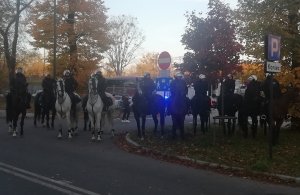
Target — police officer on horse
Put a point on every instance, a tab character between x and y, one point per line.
201	86
19	84
101	89
229	85
48	85
147	87
70	87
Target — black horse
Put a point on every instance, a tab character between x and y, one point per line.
44	103
16	104
228	105
251	107
178	106
200	105
142	107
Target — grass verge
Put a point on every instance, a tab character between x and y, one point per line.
235	151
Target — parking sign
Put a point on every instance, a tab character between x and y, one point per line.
273	50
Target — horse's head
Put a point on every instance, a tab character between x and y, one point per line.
60	87
93	84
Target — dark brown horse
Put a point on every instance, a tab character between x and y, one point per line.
280	108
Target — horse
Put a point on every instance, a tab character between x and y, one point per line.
178	106
43	104
94	108
251	107
228	105
107	115
16	104
63	108
142	107
201	105
280	108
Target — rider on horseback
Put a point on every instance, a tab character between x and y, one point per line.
19	83
70	87
266	87
201	86
147	86
48	85
229	85
253	89
101	89
178	86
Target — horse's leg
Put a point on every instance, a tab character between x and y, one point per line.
143	126
180	119
174	125
60	121
47	118
254	125
277	131
99	125
85	119
138	124
203	121
53	112
22	123
111	122
195	123
154	117
69	123
15	121
162	122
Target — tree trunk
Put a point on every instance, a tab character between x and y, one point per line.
72	36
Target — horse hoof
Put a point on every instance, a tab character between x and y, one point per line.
14	134
70	136
93	138
99	138
59	136
142	138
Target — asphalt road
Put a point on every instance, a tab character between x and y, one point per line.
39	163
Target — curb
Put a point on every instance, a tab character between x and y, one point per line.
216	165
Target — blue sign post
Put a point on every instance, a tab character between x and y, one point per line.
163	84
272	53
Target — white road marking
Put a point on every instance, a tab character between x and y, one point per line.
45	181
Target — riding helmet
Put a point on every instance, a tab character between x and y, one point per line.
19	70
67	73
202	76
252	77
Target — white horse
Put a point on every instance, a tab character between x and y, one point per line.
107	115
63	109
94	107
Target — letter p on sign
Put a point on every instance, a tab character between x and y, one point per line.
273	48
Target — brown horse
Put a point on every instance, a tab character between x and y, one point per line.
280	108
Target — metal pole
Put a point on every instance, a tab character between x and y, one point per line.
54	40
271	133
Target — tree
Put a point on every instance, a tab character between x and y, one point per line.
81	31
257	18
10	12
127	39
211	41
148	63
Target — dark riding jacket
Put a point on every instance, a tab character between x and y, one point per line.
229	86
48	85
70	85
178	87
147	86
276	88
201	87
19	82
253	90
